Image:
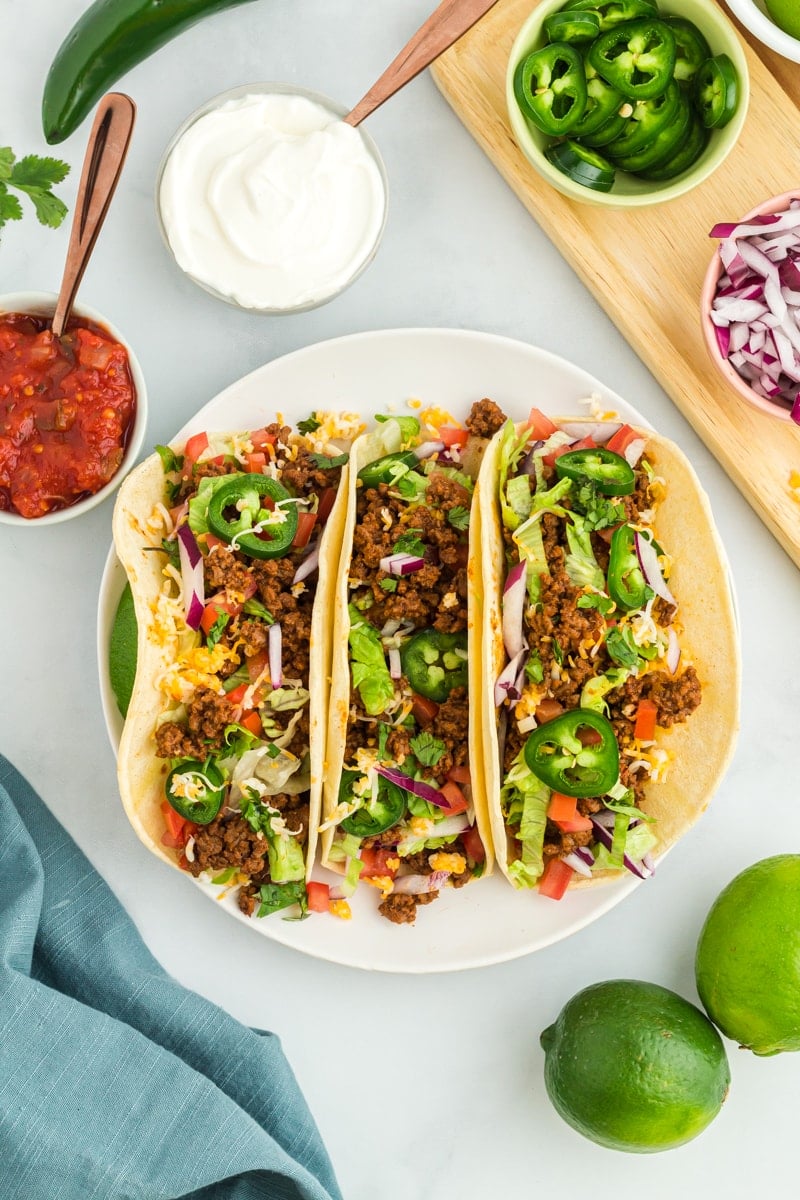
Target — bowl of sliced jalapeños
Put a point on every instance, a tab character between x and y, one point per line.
626	102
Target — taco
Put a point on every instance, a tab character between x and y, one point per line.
404	803
610	655
230	544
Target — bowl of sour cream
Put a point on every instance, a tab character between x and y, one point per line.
268	200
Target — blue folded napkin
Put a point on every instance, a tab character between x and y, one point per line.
116	1083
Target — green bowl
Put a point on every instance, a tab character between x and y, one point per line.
628	191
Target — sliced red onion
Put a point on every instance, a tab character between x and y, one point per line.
634	451
648	560
600	431
415	786
307	566
390	629
401	564
606	837
395	665
578	864
673	651
507	687
275	652
514	597
585	854
417	885
191	576
427	449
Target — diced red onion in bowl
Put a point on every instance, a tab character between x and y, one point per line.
191	561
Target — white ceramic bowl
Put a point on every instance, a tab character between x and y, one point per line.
42	304
755	18
336	110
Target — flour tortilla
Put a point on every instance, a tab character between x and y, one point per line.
140	773
365	449
702	746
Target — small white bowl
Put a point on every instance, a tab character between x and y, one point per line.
755	18
336	110
43	304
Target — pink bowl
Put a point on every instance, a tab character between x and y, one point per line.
774	205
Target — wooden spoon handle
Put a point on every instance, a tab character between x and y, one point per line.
105	154
443	27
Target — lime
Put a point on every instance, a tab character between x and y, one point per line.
786	15
633	1066
748	957
122	651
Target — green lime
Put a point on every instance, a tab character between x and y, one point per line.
122	651
748	957
786	15
633	1066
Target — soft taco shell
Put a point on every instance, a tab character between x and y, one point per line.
140	773
365	449
701	747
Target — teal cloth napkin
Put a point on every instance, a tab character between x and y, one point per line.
116	1083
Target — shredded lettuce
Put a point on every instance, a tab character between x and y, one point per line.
518	494
580	563
524	800
369	672
409	427
198	505
512	445
529	537
638	841
275	896
598	686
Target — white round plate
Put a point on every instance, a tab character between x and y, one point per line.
488	921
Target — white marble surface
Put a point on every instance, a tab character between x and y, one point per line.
426	1087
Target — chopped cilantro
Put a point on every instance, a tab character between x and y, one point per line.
383	736
558	653
310	425
170	548
217	629
410	543
327	464
411	485
621	647
427	749
458	517
598	511
389	584
603	604
273	751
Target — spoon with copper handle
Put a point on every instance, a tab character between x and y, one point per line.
443	27
105	154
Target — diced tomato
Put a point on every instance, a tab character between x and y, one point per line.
319	895
459	774
212	611
452	436
456	800
236	695
183	863
547	710
607	533
622	439
422	709
256	462
555	879
471	841
589	737
252	722
305	524
260	437
586	443
326	502
178	830
561	807
257	663
578	824
212	540
645	727
376	862
541	427
195	446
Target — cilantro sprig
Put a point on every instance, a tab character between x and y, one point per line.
34	177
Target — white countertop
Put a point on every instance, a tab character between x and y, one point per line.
427	1087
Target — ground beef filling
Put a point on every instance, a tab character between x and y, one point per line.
228	840
559	629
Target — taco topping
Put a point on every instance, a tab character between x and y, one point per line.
593	658
248	512
404	820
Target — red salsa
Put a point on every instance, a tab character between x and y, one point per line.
66	409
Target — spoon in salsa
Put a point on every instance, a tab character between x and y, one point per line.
443	27
102	165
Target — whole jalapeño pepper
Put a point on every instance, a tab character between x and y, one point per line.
576	754
626	582
637	58
435	663
236	514
550	87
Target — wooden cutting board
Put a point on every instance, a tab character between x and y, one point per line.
646	266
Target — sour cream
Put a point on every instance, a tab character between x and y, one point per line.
272	201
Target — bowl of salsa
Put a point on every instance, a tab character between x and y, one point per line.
73	411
